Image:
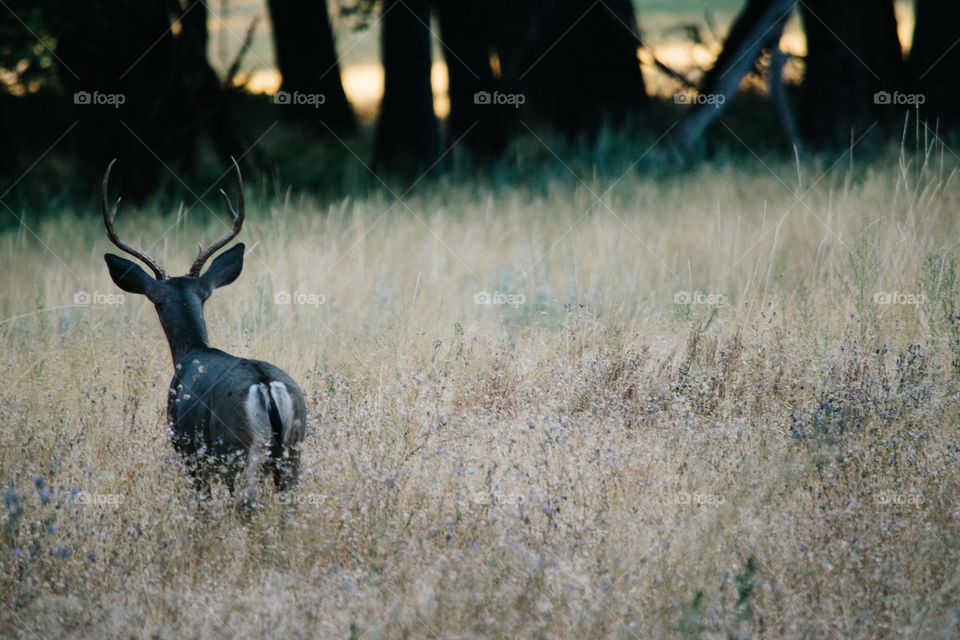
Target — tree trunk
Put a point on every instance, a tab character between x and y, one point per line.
467	31
852	54
166	95
202	105
935	59
103	62
575	61
407	137
312	90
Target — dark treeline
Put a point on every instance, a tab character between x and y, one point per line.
136	78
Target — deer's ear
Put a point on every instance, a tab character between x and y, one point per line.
225	269
128	275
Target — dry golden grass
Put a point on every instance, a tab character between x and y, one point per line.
597	461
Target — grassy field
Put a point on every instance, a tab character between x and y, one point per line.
717	404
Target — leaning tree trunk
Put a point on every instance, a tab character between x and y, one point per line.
308	63
408	136
576	63
852	54
935	59
467	31
744	38
758	27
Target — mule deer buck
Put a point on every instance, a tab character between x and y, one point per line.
228	416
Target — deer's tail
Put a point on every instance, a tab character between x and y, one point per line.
276	420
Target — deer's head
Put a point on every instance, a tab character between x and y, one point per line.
178	300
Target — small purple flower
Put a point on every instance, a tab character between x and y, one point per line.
12	502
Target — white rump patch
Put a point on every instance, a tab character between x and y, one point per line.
258	414
281	396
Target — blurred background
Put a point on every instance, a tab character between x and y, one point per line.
335	96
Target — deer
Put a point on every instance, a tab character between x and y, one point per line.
228	417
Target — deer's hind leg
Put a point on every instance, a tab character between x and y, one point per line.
285	471
245	476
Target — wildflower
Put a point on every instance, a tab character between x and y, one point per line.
12	502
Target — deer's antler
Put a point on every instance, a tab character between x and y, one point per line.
236	214
109	215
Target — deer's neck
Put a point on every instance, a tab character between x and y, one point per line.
184	335
180	350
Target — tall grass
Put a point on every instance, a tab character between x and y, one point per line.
717	404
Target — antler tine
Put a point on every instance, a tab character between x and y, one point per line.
109	215
236	214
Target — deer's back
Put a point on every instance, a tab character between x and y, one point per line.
220	404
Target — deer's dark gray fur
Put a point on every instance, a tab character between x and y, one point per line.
228	415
